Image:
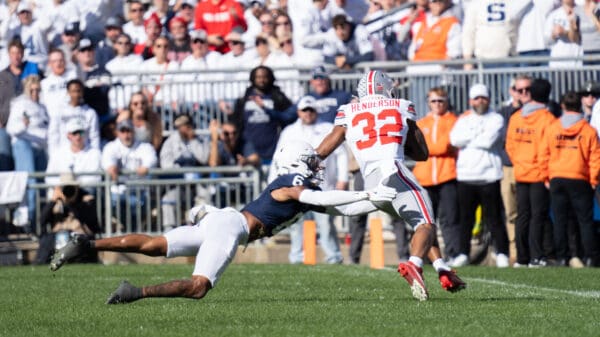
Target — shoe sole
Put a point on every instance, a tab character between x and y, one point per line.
417	288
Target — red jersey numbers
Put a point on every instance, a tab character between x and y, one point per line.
388	133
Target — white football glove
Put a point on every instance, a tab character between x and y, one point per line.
382	193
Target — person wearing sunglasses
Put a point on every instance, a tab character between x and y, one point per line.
134	27
524	135
105	49
124	61
589	93
438	173
160	89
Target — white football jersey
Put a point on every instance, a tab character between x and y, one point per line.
376	130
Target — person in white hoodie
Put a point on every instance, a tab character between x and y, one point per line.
28	126
478	135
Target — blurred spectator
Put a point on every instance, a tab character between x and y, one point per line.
298	56
163	11
312	22
123	62
348	44
160	89
590	94
135	26
267	24
69	41
382	24
524	136
589	26
96	79
354	9
29	32
570	156
186	11
198	88
92	15
76	156
478	136
218	18
283	24
408	26
328	99
251	14
561	31
530	34
53	16
307	128
28	126
76	108
438	174
105	50
236	59
179	43
146	123
126	153
71	210
489	30
152	30
181	149
54	86
262	112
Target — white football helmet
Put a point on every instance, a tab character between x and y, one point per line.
376	82
298	157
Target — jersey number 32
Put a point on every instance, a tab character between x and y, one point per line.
388	133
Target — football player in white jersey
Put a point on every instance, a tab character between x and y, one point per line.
380	131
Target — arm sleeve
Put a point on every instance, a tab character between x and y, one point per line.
492	130
352	209
460	136
331	198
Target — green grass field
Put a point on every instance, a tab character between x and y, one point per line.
291	300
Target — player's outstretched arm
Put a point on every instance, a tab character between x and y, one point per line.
332	198
331	142
416	146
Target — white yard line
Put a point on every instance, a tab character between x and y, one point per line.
577	293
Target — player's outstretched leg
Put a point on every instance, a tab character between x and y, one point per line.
125	293
77	245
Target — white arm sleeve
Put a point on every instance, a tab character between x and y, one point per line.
352	209
331	198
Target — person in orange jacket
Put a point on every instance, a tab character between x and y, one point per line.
524	135
571	157
438	174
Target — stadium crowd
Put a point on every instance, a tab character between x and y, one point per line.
85	83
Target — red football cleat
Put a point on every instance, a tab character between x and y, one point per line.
414	276
450	281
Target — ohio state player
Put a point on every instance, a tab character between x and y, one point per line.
380	130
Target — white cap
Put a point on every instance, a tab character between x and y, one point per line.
22	7
198	34
75	124
307	102
478	90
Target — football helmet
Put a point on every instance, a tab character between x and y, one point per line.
298	157
376	82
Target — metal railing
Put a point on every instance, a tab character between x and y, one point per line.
159	201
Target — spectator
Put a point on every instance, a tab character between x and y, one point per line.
267	24
70	210
182	149
54	87
308	129
262	112
562	34
96	79
251	14
135	26
408	25
218	18
478	135
299	57
353	9
76	156
126	153
438	174
124	62
382	24
235	59
312	22
530	33
328	99
589	26
570	156
69	42
524	135
30	34
186	11
160	91
152	30
146	123
590	94
165	14
489	30
508	185
28	126
76	108
53	16
198	90
283	25
348	44
105	50
179	43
